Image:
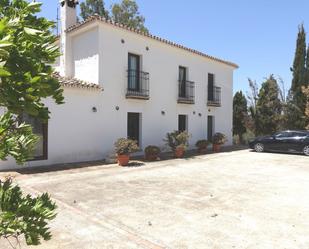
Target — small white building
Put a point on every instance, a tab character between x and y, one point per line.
119	82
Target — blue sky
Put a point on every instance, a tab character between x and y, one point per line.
259	35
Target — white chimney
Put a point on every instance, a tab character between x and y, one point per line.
68	18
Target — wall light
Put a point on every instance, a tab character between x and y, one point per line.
117	108
163	112
94	109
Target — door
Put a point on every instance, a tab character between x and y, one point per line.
296	142
210	87
133	72
182	123
182	81
40	129
210	128
281	141
133	126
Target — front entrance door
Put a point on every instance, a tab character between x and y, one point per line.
210	128
133	126
182	123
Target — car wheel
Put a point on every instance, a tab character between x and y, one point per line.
259	147
306	150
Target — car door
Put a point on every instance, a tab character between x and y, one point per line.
281	141
296	142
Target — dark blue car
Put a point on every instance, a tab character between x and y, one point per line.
284	141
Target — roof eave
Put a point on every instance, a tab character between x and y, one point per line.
95	18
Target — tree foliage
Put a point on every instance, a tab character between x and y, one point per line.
24	215
252	97
16	139
27	52
296	101
306	93
240	113
91	7
268	108
298	68
127	13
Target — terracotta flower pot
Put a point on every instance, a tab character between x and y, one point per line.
123	160
216	148
179	152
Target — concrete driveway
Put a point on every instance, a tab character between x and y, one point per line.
229	200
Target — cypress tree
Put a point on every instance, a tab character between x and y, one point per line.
268	108
298	68
296	102
240	114
307	68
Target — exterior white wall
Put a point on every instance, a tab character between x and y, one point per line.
162	62
85	54
73	130
68	18
78	134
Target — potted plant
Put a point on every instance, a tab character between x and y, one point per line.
180	151
202	146
124	147
217	140
178	142
152	153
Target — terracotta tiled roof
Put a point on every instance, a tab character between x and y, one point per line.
73	82
108	21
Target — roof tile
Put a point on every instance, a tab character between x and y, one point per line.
73	82
96	17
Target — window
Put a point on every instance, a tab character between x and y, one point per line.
133	72
182	81
182	123
284	134
210	127
210	87
299	134
133	131
41	130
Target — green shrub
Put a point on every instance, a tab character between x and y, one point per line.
202	144
219	138
124	146
24	215
152	150
177	138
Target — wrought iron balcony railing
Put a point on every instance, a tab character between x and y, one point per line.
137	85
214	97
186	92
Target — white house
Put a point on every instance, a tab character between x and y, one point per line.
119	82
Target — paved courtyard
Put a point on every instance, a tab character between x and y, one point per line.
229	200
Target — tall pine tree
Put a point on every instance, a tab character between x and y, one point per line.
91	7
127	13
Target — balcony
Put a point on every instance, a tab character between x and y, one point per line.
137	85
214	97
185	92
